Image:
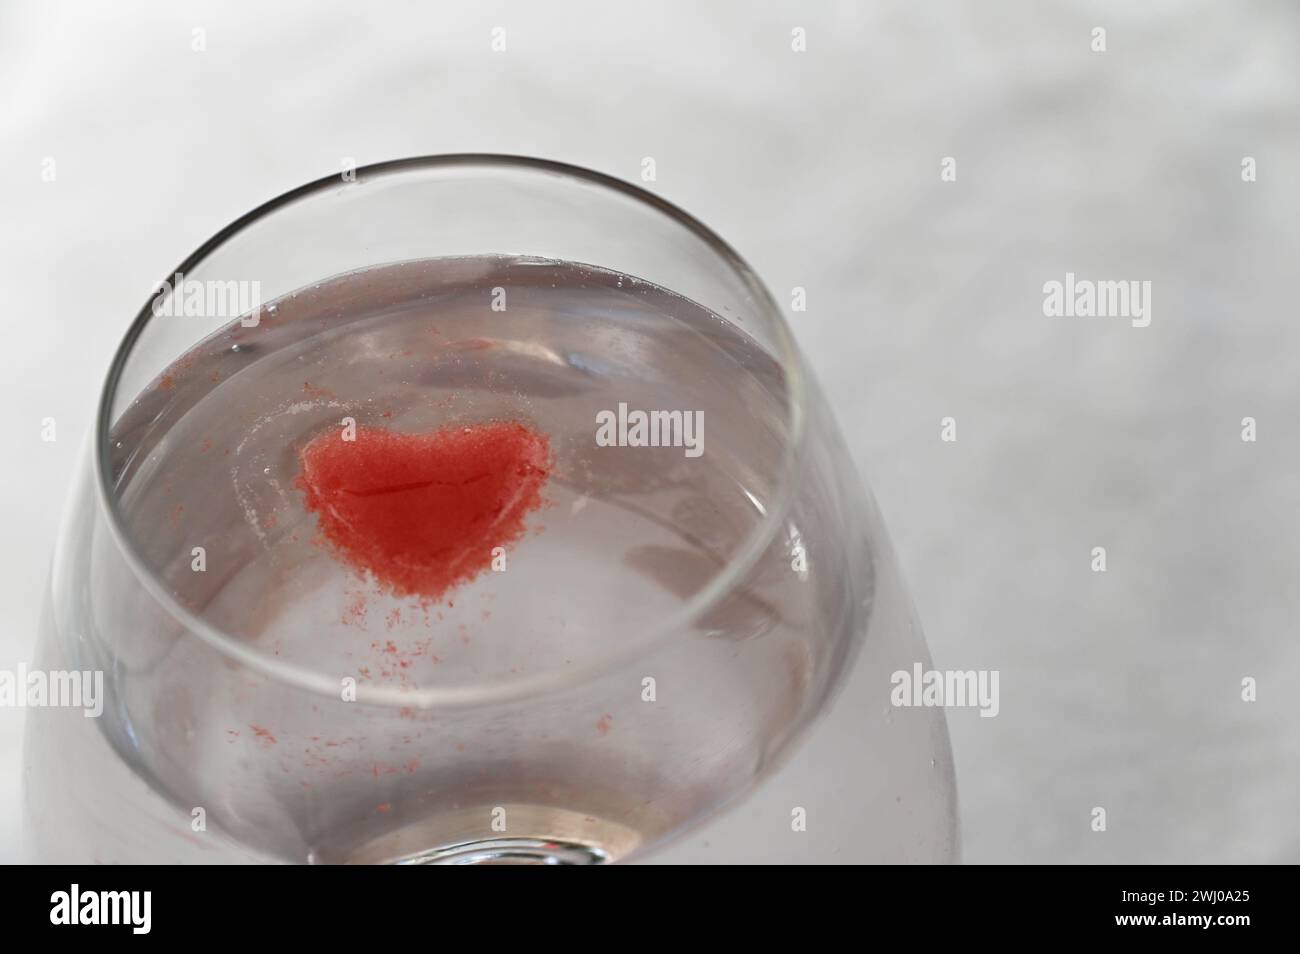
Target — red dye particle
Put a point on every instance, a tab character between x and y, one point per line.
423	512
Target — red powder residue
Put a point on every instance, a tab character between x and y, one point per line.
423	512
602	724
168	379
354	614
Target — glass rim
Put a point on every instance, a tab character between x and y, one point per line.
675	625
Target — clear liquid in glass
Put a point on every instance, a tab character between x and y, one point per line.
600	763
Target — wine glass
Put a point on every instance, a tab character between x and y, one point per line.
461	509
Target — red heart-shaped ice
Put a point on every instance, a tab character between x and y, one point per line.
423	512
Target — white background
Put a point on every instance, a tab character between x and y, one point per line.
924	301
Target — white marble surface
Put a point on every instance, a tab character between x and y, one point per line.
1118	689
